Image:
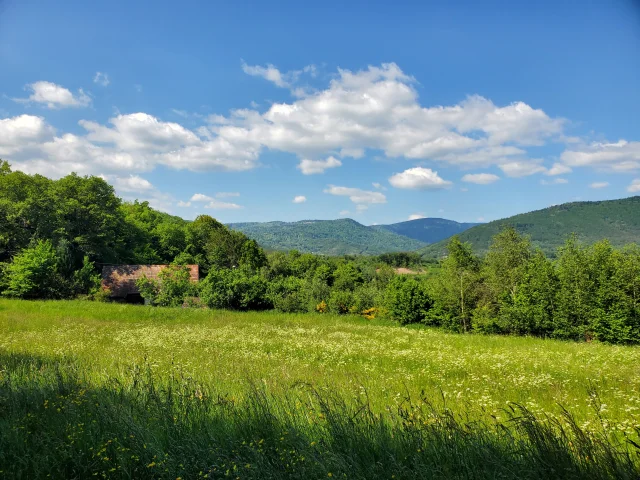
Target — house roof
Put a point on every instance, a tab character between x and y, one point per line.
121	279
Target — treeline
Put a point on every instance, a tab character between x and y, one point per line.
55	234
586	292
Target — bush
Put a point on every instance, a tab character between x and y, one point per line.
234	289
33	273
171	289
316	291
287	295
340	302
408	300
101	295
366	297
86	280
347	277
249	292
216	290
484	320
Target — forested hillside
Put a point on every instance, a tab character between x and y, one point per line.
327	237
428	230
616	220
55	235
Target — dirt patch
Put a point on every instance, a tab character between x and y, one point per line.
405	271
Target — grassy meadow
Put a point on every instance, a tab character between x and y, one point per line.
119	391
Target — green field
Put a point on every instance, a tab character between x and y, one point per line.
57	355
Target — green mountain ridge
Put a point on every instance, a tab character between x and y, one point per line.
327	237
428	230
616	220
348	237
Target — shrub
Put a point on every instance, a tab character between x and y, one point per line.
316	291
101	295
408	300
340	302
33	273
171	289
484	320
234	289
86	280
249	292
287	295
366	297
347	277
149	289
216	290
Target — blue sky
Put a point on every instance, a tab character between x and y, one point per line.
378	111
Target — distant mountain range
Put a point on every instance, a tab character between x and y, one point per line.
428	230
348	237
616	220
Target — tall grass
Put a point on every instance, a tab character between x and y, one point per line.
55	424
115	391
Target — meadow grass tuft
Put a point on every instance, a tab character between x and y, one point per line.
114	391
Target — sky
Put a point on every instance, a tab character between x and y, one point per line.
376	111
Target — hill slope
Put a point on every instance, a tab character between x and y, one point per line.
428	230
327	237
616	220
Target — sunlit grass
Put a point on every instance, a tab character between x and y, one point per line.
104	347
225	349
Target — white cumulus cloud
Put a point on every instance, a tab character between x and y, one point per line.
280	79
558	169
521	169
480	178
419	178
356	195
311	167
54	96
635	186
269	73
218	205
416	216
200	197
23	133
555	181
132	183
299	199
621	156
134	187
376	109
599	185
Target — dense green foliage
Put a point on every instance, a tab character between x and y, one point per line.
55	232
616	220
408	300
427	230
125	391
587	292
55	235
327	237
172	288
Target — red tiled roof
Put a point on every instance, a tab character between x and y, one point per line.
121	279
